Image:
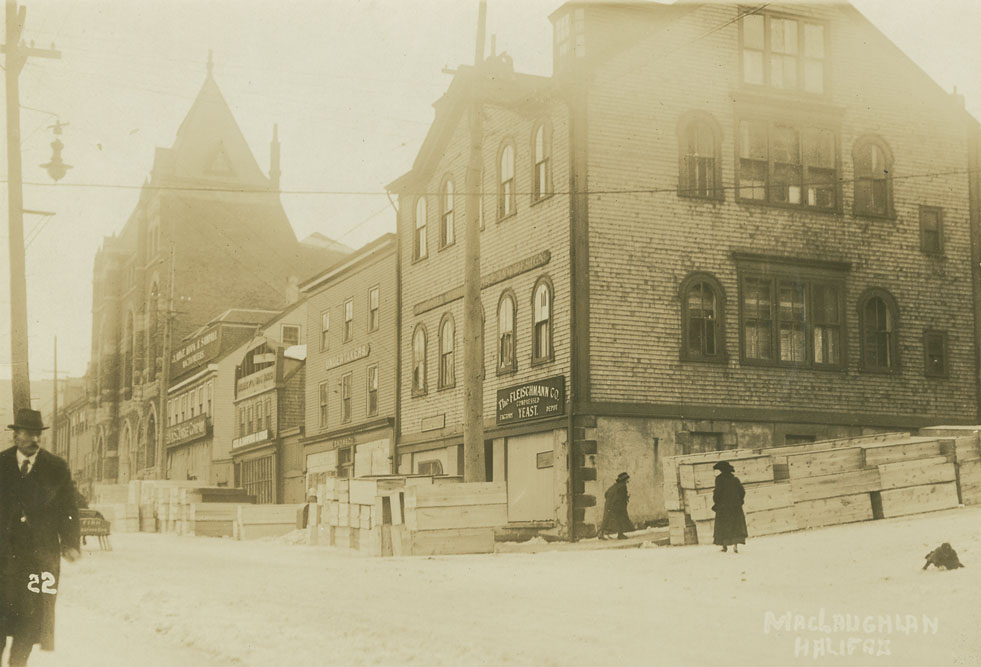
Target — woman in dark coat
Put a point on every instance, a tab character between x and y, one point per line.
730	522
615	510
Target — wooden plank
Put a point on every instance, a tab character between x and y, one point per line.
472	516
269	514
831	511
771	521
916	472
396	502
967	449
676	527
342	537
343	514
759	497
448	479
397	540
702	476
476	493
705	531
836	484
918	499
672	485
460	541
780	454
354	515
914	448
370	541
969	482
362	491
813	464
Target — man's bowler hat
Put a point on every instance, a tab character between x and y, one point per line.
29	420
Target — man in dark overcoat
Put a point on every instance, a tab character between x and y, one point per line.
38	525
615	510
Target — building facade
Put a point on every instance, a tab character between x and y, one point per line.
764	231
269	394
209	232
352	360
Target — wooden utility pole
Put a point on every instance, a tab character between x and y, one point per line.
16	55
54	402
473	325
160	449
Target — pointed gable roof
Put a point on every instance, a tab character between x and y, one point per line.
210	145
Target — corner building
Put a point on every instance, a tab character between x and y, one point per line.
764	232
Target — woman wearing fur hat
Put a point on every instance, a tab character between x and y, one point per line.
730	522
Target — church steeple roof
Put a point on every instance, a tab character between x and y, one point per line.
210	145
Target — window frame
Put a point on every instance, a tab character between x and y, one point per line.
423	389
374	320
889	301
802	21
513	366
536	359
944	342
371	388
502	194
698	278
324	398
447	213
420	234
939	251
347	389
864	210
800	125
686	122
447	375
348	320
325	330
810	274
282	333
541	191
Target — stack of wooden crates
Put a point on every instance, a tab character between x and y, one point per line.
410	515
830	482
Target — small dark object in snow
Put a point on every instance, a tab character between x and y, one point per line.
943	556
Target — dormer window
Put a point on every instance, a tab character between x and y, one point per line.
784	52
570	34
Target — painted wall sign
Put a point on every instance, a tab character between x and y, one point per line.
188	431
251	439
532	400
256	383
359	352
432	423
195	352
544	459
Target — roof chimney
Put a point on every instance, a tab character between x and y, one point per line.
274	172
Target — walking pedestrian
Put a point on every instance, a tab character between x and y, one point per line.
615	509
38	526
730	522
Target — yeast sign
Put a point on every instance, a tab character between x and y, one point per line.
532	400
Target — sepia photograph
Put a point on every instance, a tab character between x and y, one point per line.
490	332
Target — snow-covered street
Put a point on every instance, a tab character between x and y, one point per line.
167	600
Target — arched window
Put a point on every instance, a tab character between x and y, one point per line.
878	321
446	217
700	163
153	341
151	441
702	319
542	150
873	177
447	338
541	307
129	346
505	182
419	361
419	245
506	358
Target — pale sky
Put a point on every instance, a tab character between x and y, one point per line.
350	82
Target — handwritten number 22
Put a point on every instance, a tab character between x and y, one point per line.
47	581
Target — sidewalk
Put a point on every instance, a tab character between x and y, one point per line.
635	540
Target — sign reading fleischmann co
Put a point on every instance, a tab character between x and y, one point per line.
532	400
